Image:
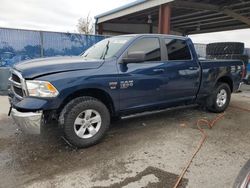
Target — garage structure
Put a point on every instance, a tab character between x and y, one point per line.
181	17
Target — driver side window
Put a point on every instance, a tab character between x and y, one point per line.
149	46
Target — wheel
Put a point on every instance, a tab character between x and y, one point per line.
86	120
219	100
222	48
242	179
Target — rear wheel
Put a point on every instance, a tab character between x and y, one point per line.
86	120
219	100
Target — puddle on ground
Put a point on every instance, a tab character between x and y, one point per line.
151	177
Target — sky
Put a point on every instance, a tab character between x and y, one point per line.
63	15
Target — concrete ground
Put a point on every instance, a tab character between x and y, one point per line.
144	151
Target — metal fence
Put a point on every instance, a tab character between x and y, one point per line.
18	45
200	49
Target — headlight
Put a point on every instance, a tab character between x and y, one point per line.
41	89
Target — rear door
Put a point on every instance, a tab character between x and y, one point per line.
182	71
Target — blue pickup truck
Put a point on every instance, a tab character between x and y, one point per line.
118	76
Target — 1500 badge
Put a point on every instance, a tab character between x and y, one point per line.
123	84
127	83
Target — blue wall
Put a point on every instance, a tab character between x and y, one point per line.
18	45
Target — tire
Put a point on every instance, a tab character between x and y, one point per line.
218	101
222	48
242	176
77	126
243	58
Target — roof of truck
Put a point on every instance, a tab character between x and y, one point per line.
157	35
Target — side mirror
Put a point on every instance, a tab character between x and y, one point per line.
134	57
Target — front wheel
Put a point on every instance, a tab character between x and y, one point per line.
219	100
86	120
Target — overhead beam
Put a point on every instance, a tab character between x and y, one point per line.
210	30
204	21
210	7
192	24
203	15
194	5
207	16
204	6
211	24
188	15
236	16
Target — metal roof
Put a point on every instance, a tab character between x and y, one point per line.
130	8
120	8
187	16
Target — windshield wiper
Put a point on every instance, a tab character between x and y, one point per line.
105	52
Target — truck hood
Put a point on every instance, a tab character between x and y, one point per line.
44	66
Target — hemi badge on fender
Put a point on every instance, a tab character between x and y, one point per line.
112	85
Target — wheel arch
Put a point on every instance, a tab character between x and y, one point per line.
227	80
99	94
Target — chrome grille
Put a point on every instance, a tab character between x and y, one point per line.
17	84
15	78
18	91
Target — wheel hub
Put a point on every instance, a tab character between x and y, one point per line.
87	123
221	98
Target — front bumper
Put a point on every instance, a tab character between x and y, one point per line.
240	85
29	122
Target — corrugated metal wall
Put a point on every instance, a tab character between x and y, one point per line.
200	49
18	45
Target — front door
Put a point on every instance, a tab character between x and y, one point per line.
141	83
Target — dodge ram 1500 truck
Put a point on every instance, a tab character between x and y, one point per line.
116	77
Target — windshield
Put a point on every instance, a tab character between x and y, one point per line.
106	48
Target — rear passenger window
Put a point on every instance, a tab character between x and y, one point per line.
177	49
150	46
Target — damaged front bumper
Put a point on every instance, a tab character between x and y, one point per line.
28	122
240	86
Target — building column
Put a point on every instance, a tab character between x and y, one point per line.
100	29
164	19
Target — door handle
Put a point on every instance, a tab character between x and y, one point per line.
193	68
159	70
